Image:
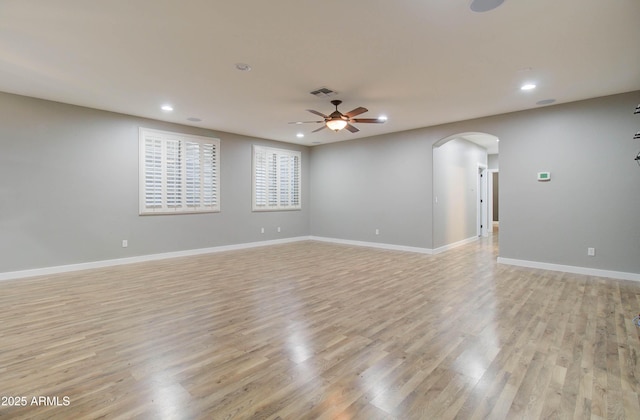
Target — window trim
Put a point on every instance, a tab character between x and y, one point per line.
278	153
164	209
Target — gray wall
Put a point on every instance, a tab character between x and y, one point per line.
381	182
593	199
69	188
496	196
455	181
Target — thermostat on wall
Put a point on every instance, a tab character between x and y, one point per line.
544	176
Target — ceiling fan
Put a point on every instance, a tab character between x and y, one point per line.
336	121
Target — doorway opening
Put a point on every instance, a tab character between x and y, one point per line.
493	193
463	208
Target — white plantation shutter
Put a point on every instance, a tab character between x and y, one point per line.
276	179
259	178
192	176
285	180
295	186
152	176
272	180
173	174
178	173
209	175
289	168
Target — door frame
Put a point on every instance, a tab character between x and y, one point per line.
482	218
490	173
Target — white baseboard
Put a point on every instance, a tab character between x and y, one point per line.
142	258
373	245
152	257
455	245
620	275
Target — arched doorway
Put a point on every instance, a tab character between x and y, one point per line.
462	182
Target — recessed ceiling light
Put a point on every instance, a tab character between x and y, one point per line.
528	86
167	108
299	135
382	118
485	5
243	67
545	102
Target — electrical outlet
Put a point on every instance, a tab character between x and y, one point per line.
125	243
278	228
377	231
591	252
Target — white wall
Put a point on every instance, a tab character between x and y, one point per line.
493	161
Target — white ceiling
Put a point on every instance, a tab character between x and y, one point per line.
487	141
420	63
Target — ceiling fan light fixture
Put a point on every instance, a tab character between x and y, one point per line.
336	124
336	121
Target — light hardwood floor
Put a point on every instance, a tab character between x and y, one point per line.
314	330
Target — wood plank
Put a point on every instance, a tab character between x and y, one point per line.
318	330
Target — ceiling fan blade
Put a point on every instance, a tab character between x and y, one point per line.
359	110
304	122
367	120
352	128
317	113
318	129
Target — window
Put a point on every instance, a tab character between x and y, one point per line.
179	173
276	179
